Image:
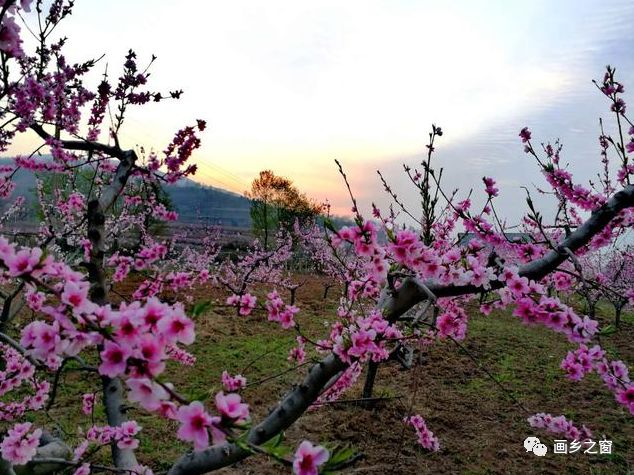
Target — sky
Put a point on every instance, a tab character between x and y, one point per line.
292	85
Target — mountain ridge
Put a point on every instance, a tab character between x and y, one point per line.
194	202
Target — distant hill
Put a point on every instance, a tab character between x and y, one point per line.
209	205
193	202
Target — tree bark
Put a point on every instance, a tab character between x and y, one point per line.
113	395
617	314
370	377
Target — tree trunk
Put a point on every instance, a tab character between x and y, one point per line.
113	395
370	377
326	289
617	315
266	226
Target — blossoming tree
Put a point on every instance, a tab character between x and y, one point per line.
411	288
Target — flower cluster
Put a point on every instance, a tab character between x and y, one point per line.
244	303
178	152
490	189
279	312
233	383
343	383
19	372
142	260
88	403
365	339
426	438
123	435
452	323
298	353
196	423
20	444
10	41
559	425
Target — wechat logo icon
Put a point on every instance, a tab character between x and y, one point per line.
532	444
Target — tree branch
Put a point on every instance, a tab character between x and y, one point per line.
410	293
286	413
81	145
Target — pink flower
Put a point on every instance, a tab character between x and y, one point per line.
113	359
233	383
10	41
41	339
626	397
518	285
18	446
79	452
146	392
279	312
127	329
125	435
177	327
287	317
24	261
230	407
34	299
247	304
84	469
491	189
142	470
426	438
153	311
150	348
308	458
559	425
167	410
362	343
88	402
298	353
195	423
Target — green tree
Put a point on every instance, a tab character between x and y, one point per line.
276	203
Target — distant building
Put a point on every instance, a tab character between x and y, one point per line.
465	238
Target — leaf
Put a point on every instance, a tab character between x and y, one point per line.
200	308
340	455
328	224
609	330
282	452
274	442
198	395
243	443
275	448
340	458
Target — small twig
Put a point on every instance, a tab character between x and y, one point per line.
277	375
359	400
489	374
